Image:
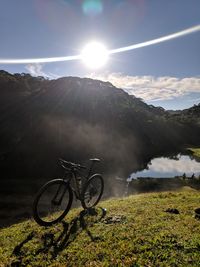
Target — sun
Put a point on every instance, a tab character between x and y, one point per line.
94	55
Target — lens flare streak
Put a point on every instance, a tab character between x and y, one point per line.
157	40
39	60
118	50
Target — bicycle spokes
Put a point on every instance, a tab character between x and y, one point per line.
53	200
92	192
57	199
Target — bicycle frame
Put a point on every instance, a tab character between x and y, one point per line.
74	173
74	176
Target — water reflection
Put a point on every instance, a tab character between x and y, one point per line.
169	167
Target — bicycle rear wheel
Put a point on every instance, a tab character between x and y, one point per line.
52	202
92	191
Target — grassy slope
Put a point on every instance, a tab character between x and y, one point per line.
195	151
145	236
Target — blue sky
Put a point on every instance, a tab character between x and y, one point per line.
165	74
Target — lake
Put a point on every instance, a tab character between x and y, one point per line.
165	167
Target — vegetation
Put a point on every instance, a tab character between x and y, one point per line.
196	152
76	118
133	231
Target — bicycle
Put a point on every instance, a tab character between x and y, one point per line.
54	199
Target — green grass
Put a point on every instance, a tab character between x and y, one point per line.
195	151
146	235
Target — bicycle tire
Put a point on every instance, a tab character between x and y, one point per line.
93	188
48	196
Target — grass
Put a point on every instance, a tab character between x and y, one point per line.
135	231
195	151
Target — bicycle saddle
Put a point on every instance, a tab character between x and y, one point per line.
67	164
95	160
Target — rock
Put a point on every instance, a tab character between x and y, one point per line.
197	213
114	219
175	211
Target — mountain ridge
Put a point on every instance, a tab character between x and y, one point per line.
58	114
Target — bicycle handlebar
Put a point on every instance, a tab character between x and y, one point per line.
71	165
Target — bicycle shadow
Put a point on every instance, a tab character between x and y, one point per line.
54	242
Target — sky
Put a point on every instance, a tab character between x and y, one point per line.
165	74
168	168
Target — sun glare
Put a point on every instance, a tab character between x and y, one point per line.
94	55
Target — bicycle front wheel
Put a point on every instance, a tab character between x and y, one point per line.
92	191
52	202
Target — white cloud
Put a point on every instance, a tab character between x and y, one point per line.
152	88
184	164
37	70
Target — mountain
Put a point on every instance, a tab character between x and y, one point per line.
78	118
192	113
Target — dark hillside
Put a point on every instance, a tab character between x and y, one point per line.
76	118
